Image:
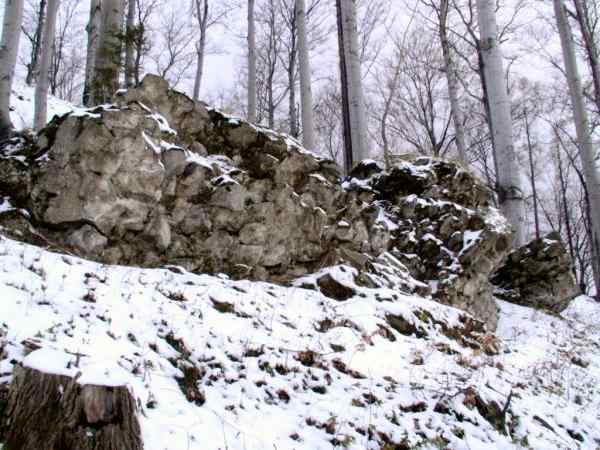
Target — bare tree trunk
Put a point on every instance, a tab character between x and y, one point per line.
93	34
108	58
356	105
510	194
41	88
456	111
251	63
532	172
32	67
586	151
348	154
565	205
308	122
129	44
591	48
202	8
9	49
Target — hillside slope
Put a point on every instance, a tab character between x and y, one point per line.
289	368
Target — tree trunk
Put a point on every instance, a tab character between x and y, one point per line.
202	16
129	44
536	215
93	33
308	122
510	194
586	151
41	88
48	411
32	67
9	49
591	48
356	105
251	64
348	154
455	109
108	58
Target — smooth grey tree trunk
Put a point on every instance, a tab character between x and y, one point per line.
510	194
41	88
306	100
348	154
93	35
202	9
129	44
357	115
532	173
455	109
251	63
9	49
584	139
108	57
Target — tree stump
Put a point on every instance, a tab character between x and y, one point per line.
54	412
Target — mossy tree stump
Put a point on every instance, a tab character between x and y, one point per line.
54	412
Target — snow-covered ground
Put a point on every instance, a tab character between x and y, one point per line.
287	368
22	106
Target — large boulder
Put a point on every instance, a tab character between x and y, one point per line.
538	275
157	178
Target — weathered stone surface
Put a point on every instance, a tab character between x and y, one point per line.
448	234
538	275
160	179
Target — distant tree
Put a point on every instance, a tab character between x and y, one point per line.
34	35
43	78
9	49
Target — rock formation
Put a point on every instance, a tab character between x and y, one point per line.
158	179
538	275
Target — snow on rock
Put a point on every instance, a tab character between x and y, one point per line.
215	363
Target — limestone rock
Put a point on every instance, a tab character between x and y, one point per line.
538	275
157	178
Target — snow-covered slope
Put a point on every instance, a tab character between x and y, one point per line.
218	364
22	106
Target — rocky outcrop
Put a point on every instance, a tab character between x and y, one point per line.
157	179
447	234
538	275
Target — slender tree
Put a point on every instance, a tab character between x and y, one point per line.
584	139
355	117
108	57
251	63
308	124
9	48
41	89
346	124
510	194
130	35
449	68
93	36
202	10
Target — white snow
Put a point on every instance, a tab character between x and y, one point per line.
251	339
